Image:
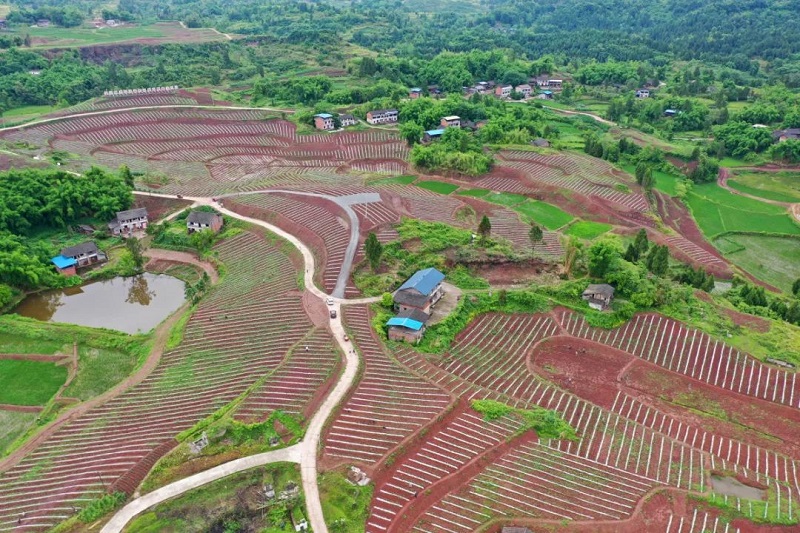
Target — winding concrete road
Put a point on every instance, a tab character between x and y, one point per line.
305	452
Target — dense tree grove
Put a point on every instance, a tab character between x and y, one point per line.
35	198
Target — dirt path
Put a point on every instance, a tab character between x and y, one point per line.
722	181
598	118
305	452
156	254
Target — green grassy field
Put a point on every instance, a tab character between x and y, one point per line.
344	502
779	186
12	425
717	211
665	182
586	229
237	499
437	186
548	215
775	260
25	382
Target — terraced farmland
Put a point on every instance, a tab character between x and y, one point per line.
227	345
626	449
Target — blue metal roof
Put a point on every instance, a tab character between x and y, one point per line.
434	132
323	115
416	90
405	322
423	281
547	92
63	262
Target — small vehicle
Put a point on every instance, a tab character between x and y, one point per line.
329	300
180	196
346	338
333	313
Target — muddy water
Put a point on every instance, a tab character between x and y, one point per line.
733	487
134	304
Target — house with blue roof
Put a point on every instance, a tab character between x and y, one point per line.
432	135
415	93
324	121
407	326
421	291
66	266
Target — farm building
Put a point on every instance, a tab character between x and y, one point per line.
84	254
415	93
382	116
790	134
432	135
540	143
421	291
599	296
670	112
453	121
323	121
202	220
545	95
642	93
66	266
503	91
408	325
524	90
348	120
129	221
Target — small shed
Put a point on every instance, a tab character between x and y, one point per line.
66	266
432	135
540	143
408	325
599	296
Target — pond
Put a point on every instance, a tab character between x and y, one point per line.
135	304
733	487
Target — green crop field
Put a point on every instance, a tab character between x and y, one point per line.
399	180
475	193
12	425
437	186
24	382
548	215
717	211
586	229
775	260
779	186
57	37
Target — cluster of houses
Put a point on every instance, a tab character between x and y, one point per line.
138	92
125	224
325	121
413	303
544	88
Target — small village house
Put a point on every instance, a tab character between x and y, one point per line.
540	142
203	220
642	93
415	93
432	135
43	23
382	116
408	326
84	254
453	121
323	121
66	266
421	291
348	120
599	296
790	134
129	221
525	90
555	85
503	91
545	95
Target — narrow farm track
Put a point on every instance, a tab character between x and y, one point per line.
305	453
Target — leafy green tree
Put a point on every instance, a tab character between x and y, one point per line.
603	256
411	132
657	260
127	176
796	287
373	250
485	227
134	248
641	242
387	300
535	235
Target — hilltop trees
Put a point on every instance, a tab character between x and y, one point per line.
535	235
373	250
485	227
